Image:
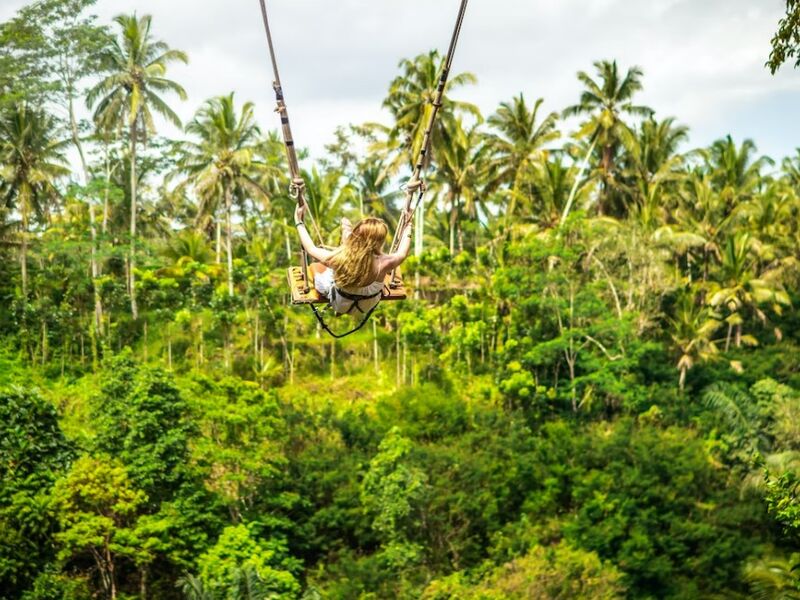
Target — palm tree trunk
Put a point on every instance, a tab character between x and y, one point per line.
98	305
607	163
256	361
98	301
169	346
397	353
418	245
607	158
23	253
107	191
44	342
453	219
132	255
288	242
218	236
143	583
405	361
375	356
229	236
76	141
576	183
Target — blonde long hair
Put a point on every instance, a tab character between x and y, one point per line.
353	262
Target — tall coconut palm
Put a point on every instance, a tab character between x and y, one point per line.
328	194
740	288
31	160
770	215
606	102
700	219
551	184
376	195
518	140
410	99
774	578
692	328
461	168
656	147
222	163
735	171
791	168
135	67
188	244
653	164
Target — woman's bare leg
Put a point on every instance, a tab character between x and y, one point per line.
318	268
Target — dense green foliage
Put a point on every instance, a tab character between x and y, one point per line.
594	392
786	42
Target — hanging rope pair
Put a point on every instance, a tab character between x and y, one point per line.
414	187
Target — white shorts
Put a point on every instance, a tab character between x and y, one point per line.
324	284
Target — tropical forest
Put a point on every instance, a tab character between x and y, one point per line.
592	389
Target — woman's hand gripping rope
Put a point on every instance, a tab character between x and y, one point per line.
299	215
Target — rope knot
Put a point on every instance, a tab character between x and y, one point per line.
415	184
296	187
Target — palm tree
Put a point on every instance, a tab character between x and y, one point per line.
31	160
774	578
692	328
222	163
606	102
375	192
193	588
410	99
791	168
461	168
552	184
740	415
135	66
328	194
770	215
655	148
734	170
653	164
740	288
517	142
190	245
700	221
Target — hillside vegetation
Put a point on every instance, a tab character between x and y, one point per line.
593	392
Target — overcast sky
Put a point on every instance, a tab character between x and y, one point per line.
703	60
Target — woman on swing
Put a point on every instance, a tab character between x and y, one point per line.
351	276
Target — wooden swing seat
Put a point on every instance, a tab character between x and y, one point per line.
295	275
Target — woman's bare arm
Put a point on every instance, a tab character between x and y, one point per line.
317	253
394	260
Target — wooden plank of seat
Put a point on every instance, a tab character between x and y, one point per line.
295	276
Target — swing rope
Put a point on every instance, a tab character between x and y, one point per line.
416	184
297	188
